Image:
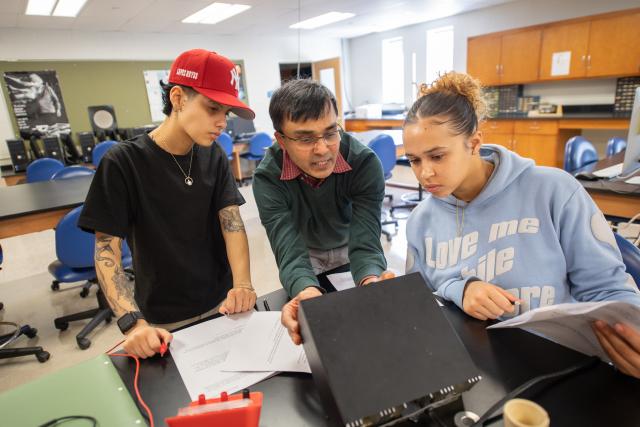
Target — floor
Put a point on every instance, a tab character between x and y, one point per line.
26	293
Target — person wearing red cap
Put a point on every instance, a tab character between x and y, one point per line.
171	194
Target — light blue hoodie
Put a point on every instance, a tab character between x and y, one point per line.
534	231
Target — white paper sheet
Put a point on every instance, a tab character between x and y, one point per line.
633	180
609	172
570	324
199	352
560	63
341	281
265	345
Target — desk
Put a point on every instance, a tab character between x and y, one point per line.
614	198
39	206
366	137
505	357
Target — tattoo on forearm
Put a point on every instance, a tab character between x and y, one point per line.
111	276
231	220
104	252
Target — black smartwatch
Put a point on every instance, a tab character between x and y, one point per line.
128	321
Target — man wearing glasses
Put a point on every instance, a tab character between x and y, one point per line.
319	193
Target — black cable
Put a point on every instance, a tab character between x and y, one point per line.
61	420
588	363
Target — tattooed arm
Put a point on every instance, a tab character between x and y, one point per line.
242	297
142	340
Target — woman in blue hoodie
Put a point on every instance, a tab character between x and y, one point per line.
497	229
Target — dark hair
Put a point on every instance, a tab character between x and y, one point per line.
457	97
300	100
167	107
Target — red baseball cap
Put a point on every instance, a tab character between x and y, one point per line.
212	75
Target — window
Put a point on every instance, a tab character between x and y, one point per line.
392	71
439	52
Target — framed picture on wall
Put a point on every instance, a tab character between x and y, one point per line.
242	88
152	80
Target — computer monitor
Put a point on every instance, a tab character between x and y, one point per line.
238	127
632	153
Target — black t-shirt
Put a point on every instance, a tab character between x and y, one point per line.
173	230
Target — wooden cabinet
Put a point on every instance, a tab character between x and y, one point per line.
540	140
520	57
572	38
601	46
499	59
483	59
614	46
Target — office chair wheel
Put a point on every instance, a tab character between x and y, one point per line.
63	326
83	343
84	292
388	238
43	356
55	285
107	320
1	306
31	332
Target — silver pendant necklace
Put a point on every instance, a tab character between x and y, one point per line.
187	176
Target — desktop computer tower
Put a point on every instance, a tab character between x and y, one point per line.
52	148
18	153
87	143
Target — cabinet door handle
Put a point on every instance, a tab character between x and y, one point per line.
501	68
589	60
584	58
498	69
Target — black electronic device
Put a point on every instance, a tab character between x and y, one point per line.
52	148
239	128
73	152
377	351
87	143
103	122
129	320
19	155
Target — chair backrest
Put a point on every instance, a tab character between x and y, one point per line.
258	143
615	145
43	169
226	143
385	149
72	172
578	152
100	149
630	257
75	247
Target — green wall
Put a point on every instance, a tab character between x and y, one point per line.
84	83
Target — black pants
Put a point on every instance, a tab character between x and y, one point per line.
325	283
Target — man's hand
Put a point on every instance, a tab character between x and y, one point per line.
383	276
289	317
239	299
144	340
622	344
484	301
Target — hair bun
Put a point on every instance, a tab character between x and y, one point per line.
461	84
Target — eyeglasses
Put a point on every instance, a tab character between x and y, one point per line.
330	138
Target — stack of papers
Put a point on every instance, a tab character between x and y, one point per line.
570	324
609	172
232	353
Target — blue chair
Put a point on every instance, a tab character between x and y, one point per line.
578	152
43	169
385	149
75	252
630	257
227	144
99	150
72	172
615	145
257	146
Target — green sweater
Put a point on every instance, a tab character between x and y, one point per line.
345	209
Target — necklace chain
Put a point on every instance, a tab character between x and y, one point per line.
187	176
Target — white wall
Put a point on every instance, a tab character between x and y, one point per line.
261	57
365	52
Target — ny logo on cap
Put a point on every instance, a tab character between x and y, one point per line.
235	78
